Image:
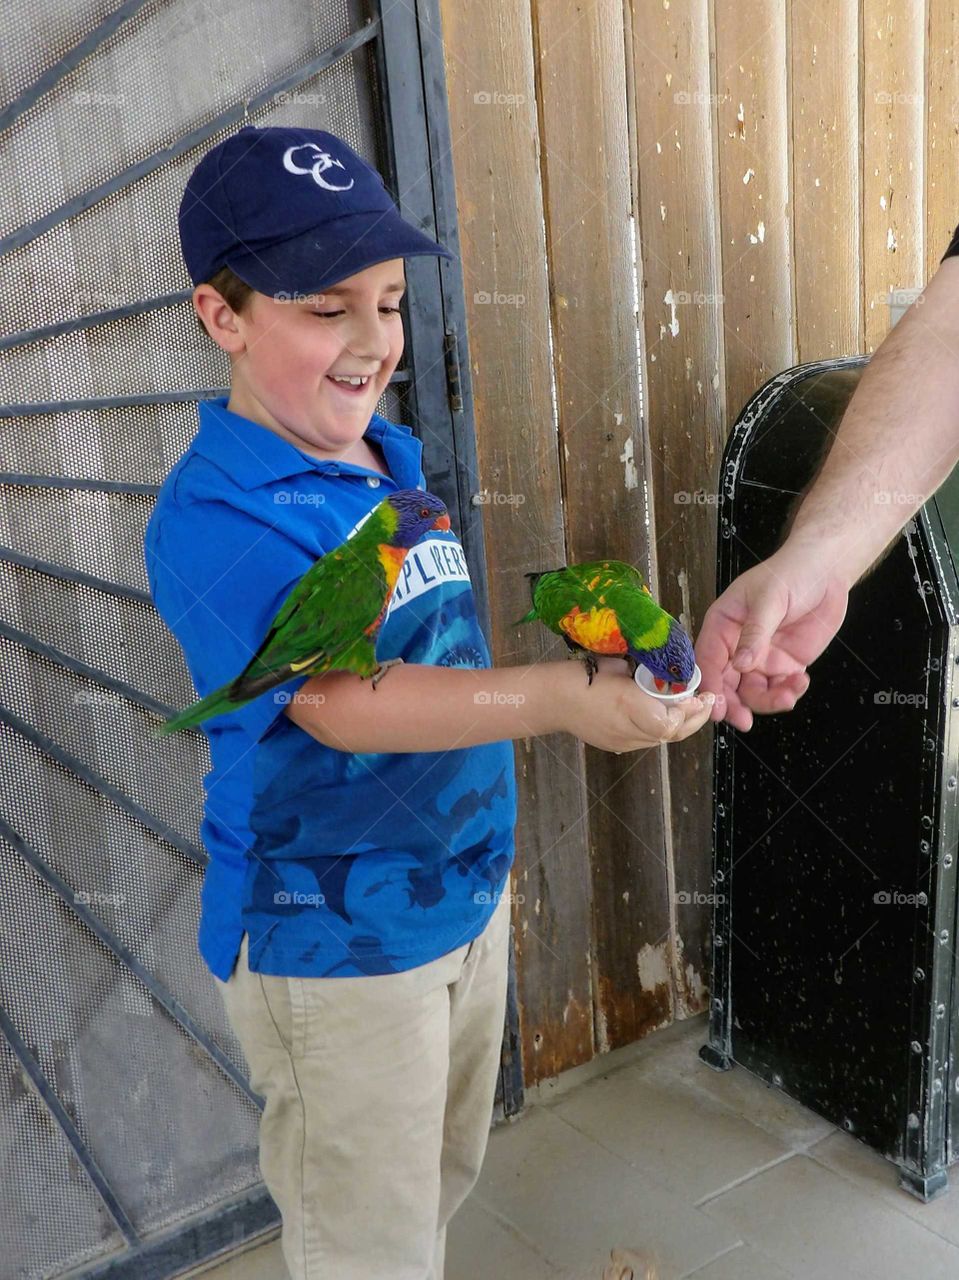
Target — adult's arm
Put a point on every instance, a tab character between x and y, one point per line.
897	442
898	439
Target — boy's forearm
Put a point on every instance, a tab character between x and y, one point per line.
898	440
423	708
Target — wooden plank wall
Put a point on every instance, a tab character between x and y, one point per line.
662	204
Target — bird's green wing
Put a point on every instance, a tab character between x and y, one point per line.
611	571
330	609
328	621
642	623
583	587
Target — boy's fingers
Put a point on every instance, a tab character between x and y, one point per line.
689	715
696	715
692	707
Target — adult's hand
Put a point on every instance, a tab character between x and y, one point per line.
758	638
897	442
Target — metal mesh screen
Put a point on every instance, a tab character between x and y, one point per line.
118	1122
43	1183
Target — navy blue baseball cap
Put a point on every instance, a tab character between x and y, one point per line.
291	211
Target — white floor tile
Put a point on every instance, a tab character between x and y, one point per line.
574	1200
681	1136
618	1153
879	1179
479	1247
823	1227
744	1263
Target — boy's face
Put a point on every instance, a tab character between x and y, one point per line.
284	353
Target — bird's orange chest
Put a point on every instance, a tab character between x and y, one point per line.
391	558
596	630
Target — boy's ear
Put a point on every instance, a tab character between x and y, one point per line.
216	317
199	317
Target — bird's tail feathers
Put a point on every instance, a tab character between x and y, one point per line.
212	705
243	689
534	577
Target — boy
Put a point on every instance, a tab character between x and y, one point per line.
353	910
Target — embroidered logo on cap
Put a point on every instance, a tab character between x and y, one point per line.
320	165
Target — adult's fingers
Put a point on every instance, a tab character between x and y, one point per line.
765	696
716	642
769	694
766	611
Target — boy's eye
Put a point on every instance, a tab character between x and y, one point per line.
329	314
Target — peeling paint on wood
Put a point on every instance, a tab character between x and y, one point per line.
626	457
630	1013
670	299
652	967
685	616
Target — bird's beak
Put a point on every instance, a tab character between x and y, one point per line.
441	522
673	686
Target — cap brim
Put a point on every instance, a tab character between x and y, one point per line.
317	259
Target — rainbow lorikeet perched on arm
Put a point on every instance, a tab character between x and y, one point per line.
331	618
604	607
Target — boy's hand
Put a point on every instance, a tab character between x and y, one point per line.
614	714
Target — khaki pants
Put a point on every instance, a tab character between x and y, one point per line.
379	1096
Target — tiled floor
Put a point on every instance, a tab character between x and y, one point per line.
714	1174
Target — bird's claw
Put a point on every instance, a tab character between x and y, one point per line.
383	667
592	666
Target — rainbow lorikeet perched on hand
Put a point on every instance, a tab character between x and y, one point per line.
331	618
604	607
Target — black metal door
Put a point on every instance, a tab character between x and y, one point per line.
836	825
128	1127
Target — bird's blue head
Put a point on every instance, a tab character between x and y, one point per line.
674	662
417	512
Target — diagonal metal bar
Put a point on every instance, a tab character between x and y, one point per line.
128	402
29	480
46	331
63	574
70	1132
106	789
160	993
84	669
69	62
111	402
234	115
248	1219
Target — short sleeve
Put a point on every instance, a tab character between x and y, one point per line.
953	247
218	577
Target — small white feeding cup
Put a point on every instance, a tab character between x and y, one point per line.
646	681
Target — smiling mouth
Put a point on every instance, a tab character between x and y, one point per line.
348	389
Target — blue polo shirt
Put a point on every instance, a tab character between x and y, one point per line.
335	864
